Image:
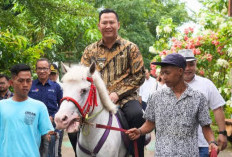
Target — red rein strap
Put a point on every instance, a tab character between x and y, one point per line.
73	101
91	100
122	130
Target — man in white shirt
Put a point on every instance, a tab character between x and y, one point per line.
150	85
214	100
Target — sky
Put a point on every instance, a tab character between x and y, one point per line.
191	5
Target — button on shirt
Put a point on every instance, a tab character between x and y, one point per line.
50	94
177	121
213	97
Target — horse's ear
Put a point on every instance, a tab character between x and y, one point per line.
92	68
65	67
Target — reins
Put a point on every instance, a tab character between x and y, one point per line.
92	102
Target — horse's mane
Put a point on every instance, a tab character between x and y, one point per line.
80	73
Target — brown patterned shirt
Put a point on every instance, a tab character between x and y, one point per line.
121	67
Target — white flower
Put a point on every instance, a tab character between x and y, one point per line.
227	91
157	71
229	51
223	25
224	10
220	19
162	57
158	30
152	49
220	90
167	29
202	22
214	22
229	103
223	63
216	74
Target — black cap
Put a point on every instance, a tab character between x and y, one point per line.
174	59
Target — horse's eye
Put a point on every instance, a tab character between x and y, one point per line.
83	91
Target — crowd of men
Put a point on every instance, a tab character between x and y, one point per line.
178	111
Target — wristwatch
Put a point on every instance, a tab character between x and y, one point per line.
214	142
224	132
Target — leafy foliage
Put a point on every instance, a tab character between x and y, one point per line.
211	45
139	18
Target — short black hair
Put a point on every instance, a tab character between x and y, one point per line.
43	59
18	68
4	76
108	11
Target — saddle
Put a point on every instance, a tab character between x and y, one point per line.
124	124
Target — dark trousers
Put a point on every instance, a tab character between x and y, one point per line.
73	139
144	105
133	113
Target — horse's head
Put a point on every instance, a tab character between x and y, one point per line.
80	97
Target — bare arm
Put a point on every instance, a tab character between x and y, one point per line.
140	99
135	133
220	119
208	133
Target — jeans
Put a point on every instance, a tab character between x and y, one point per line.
59	143
47	149
51	148
204	151
134	115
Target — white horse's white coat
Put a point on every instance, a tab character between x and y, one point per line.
77	87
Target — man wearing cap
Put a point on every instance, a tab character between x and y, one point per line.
176	112
213	97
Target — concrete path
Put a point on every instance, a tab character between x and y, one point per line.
67	150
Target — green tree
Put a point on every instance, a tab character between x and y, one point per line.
139	19
63	21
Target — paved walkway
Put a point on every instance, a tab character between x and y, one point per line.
67	150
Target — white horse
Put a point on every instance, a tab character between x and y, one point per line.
89	105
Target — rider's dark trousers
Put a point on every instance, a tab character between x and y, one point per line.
133	113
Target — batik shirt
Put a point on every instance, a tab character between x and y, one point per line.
177	121
121	67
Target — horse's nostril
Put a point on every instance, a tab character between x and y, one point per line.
65	118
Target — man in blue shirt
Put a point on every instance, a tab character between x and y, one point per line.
47	91
22	120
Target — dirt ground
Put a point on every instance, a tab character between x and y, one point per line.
67	150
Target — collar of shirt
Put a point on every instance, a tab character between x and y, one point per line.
194	78
117	41
47	82
188	92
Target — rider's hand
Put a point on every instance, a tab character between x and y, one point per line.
114	97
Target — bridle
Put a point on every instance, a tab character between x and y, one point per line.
90	102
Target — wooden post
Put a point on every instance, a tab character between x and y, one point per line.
230	8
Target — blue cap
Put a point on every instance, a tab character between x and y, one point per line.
174	59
